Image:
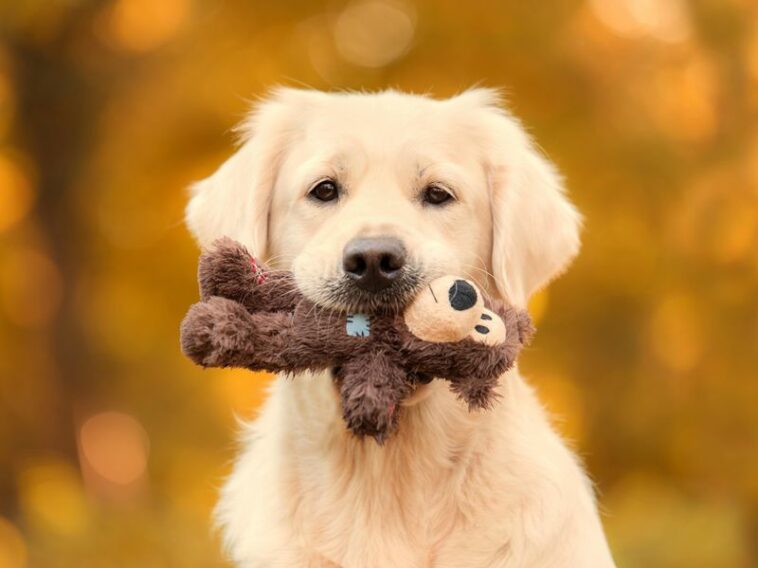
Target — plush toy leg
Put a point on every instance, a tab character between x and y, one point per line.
372	387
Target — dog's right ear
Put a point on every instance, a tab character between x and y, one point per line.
235	200
535	226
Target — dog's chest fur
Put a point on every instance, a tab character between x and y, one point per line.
396	502
443	492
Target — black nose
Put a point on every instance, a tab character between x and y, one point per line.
373	263
462	295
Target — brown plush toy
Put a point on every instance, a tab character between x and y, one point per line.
258	319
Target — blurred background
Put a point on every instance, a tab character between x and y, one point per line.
112	445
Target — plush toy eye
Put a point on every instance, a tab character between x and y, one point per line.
325	190
436	195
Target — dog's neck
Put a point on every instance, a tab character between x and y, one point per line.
436	435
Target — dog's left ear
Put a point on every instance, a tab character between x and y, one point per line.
535	226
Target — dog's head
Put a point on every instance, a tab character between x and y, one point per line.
368	197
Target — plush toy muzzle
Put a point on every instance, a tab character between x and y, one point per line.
256	318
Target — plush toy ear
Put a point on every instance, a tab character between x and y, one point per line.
235	200
535	227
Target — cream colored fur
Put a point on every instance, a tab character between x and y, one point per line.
452	488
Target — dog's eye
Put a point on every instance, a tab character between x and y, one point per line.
326	190
436	195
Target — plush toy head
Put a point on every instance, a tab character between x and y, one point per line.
450	309
258	319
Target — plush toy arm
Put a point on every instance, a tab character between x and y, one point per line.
228	270
223	333
472	368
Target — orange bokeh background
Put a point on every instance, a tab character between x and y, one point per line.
112	445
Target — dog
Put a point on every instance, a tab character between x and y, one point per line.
366	197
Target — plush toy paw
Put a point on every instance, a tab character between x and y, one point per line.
227	269
214	332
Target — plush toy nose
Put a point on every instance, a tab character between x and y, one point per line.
373	263
462	295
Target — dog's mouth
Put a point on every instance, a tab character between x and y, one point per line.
343	294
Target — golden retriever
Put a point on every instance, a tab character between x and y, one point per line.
420	188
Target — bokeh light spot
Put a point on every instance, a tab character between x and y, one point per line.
319	46
51	496
12	546
666	20
115	446
143	25
683	99
16	194
733	233
373	33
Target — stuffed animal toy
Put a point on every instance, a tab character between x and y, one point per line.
257	318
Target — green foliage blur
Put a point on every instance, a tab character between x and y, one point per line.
112	445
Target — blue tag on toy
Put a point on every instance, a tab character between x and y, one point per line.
358	325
